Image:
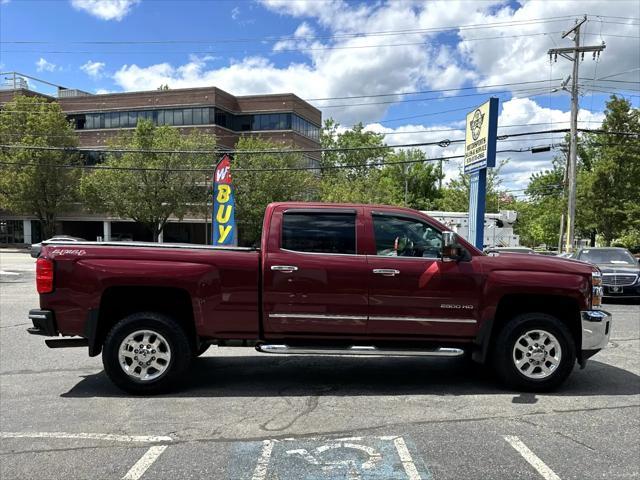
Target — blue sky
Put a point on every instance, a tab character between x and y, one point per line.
337	48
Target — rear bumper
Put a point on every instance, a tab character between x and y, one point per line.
596	328
44	323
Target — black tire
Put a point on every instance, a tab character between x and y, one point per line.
504	362
173	372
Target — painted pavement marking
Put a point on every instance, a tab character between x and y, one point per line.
351	458
89	436
260	473
532	458
144	463
405	458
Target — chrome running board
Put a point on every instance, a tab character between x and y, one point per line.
359	350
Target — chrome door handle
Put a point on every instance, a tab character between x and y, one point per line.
387	272
284	268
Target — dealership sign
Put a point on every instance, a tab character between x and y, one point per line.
224	224
480	138
480	153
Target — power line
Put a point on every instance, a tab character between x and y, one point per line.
511	23
442	143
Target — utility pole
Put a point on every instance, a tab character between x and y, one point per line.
575	54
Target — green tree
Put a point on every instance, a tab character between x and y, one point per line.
259	179
33	182
350	174
609	187
150	187
539	215
455	195
416	182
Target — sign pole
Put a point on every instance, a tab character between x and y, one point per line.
480	154
477	202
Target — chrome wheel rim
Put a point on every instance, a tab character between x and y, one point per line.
144	355
537	354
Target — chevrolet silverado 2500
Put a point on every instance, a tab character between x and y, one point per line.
327	279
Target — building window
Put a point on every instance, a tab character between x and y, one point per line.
11	231
197	116
187	116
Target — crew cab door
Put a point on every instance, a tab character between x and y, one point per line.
412	291
315	280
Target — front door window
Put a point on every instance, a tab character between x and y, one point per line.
406	237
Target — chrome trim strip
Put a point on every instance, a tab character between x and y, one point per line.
422	319
37	316
317	316
359	350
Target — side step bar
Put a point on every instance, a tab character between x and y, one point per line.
360	350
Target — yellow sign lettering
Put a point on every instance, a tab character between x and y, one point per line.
224	192
223	231
224	213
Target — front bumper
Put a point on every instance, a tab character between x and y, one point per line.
44	323
596	328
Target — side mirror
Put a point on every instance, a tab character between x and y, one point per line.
450	246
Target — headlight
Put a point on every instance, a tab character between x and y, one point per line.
596	289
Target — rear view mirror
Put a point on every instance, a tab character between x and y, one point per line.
450	246
449	239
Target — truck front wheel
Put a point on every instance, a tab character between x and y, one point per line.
146	353
534	352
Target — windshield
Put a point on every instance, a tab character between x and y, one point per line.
619	257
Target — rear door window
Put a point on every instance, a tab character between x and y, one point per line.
319	232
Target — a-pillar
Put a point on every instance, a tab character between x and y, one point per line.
106	231
26	227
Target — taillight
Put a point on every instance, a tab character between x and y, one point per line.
44	275
597	291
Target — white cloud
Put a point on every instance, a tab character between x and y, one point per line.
44	66
103	91
105	9
341	62
93	69
235	13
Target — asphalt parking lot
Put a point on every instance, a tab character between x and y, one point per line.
244	415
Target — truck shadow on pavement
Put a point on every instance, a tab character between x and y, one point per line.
263	376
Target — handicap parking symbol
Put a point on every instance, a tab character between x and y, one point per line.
352	458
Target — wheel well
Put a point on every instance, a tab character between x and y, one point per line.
566	309
118	302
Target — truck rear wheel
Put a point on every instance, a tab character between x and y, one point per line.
146	353
534	352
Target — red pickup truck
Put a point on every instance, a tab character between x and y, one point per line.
327	279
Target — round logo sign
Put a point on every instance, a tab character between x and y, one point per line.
476	124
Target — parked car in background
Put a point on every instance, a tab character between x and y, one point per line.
565	255
620	270
122	237
36	248
499	250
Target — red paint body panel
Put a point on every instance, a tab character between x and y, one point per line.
328	296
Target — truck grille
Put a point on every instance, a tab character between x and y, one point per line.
619	279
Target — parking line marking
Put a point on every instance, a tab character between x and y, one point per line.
532	458
260	472
89	436
405	457
145	462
